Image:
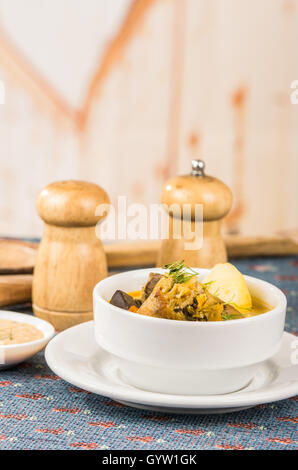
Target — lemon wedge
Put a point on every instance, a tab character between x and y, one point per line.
228	284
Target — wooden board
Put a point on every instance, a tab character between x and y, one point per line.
243	247
16	257
129	254
15	289
19	257
145	253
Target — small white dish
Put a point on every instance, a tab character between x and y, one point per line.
13	354
75	356
183	357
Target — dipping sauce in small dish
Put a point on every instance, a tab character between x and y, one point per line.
14	332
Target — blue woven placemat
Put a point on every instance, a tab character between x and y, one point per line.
38	410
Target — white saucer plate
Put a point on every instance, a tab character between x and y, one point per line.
75	357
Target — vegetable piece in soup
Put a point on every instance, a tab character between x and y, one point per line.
123	300
150	284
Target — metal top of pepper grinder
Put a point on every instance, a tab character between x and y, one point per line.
198	167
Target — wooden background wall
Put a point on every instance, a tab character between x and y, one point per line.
125	93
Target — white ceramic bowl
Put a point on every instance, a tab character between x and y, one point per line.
12	354
181	357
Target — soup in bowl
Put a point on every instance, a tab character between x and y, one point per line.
216	350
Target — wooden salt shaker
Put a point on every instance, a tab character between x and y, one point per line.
216	198
70	259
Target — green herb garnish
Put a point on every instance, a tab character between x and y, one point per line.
229	316
226	316
180	272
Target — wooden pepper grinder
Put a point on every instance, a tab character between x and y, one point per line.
70	259
216	198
